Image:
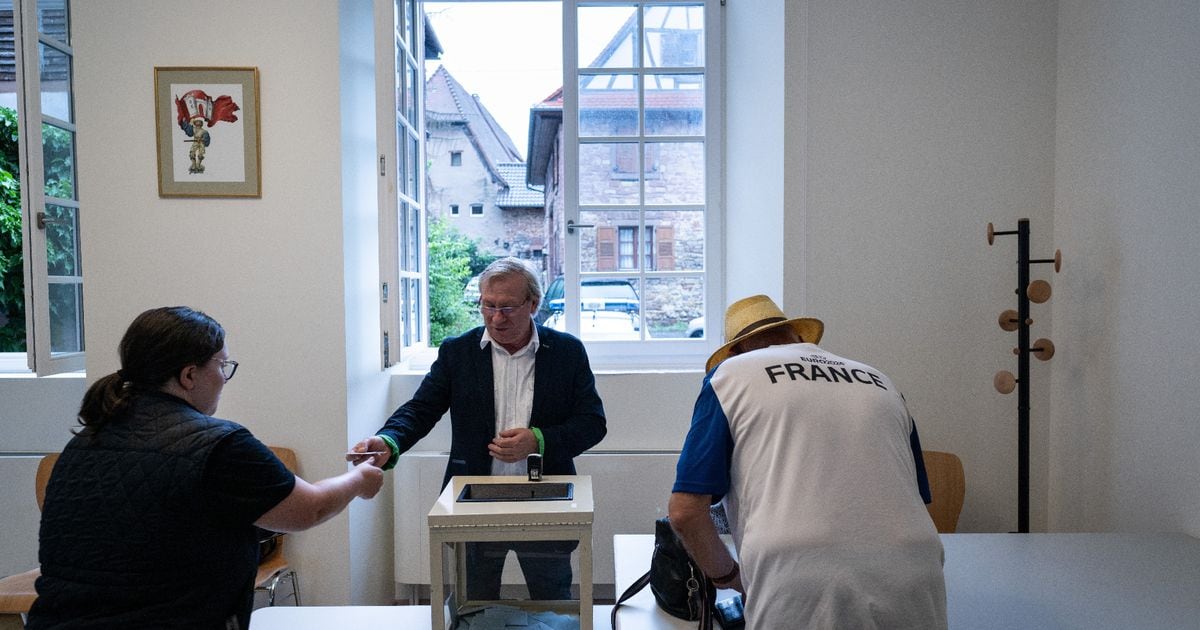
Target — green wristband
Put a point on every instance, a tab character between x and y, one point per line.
394	448
537	433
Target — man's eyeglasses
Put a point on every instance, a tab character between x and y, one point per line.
228	368
488	311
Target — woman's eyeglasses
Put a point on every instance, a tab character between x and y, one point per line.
228	368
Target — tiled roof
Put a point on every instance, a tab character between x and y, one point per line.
517	195
445	96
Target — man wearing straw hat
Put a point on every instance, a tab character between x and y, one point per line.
819	466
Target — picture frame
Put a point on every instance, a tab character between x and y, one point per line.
208	134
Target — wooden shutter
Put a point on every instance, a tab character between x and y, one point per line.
665	235
606	248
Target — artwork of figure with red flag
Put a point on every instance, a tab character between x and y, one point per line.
195	111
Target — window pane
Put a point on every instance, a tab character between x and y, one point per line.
415	332
609	174
411	176
58	160
670	305
608	105
674	36
402	94
599	247
412	231
609	310
678	240
53	19
410	95
680	173
674	105
66	317
62	241
56	83
607	36
410	22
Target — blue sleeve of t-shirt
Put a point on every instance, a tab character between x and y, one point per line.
914	442
707	454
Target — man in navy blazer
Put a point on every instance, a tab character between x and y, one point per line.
513	388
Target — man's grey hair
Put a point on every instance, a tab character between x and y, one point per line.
510	266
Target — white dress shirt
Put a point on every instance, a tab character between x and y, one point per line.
512	387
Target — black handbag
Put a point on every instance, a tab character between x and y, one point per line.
678	584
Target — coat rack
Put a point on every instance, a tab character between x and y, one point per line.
1037	291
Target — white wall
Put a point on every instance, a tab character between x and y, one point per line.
922	122
271	270
1125	402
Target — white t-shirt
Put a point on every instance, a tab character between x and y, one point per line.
813	455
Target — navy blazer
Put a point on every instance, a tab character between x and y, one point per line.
566	406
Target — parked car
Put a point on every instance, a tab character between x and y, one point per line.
695	327
609	308
616	295
601	325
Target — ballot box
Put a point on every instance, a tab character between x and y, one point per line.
507	508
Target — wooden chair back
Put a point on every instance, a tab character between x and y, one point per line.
947	483
45	467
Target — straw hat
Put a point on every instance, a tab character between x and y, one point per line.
756	314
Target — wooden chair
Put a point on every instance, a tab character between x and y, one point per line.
274	567
16	591
947	483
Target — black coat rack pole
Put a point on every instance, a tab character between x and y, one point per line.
1037	291
1023	376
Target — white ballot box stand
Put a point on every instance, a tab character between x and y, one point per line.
454	522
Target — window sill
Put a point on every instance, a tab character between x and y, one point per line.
416	361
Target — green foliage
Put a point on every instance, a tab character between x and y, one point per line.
12	268
449	270
58	155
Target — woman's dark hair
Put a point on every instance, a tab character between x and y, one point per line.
158	344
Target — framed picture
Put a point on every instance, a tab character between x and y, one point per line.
208	132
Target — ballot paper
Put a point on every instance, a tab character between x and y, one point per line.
504	617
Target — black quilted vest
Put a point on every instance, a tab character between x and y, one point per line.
125	539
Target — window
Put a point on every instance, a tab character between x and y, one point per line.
404	291
657	248
641	128
624	143
41	323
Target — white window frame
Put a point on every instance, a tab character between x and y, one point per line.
402	336
38	357
683	353
680	353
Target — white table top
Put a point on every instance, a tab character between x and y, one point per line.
448	512
631	556
363	618
1084	581
1007	581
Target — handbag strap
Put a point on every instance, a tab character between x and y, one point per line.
633	589
706	606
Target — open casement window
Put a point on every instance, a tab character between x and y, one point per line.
400	55
625	153
37	84
641	147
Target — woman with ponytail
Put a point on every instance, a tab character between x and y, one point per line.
152	511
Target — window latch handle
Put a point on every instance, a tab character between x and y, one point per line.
572	226
42	221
